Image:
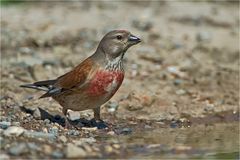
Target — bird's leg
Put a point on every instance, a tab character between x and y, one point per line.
100	124
97	113
67	123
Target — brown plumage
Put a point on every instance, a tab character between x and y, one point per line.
94	81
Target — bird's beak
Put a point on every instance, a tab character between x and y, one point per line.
133	39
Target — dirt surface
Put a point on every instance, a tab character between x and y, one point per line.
184	71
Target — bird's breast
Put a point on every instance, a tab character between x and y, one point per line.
105	82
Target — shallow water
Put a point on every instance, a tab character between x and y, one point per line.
217	141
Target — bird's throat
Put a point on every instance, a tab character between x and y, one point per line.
115	64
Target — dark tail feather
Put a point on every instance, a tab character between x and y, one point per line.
46	83
41	85
46	86
33	86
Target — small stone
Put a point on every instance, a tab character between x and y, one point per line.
54	130
175	70
63	139
111	133
82	141
43	135
181	92
108	149
112	106
16	124
182	120
73	115
154	145
57	154
183	148
126	131
33	146
45	130
177	82
46	121
14	131
47	149
173	124
117	146
209	108
4	124
89	128
203	36
18	149
87	148
73	151
4	156
37	114
73	132
147	127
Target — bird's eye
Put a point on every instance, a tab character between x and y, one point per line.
119	37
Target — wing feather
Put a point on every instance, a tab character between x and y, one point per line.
76	77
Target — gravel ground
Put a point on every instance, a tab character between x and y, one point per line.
184	71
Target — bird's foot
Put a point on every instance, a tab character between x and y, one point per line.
100	124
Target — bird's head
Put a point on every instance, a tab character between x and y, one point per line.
115	43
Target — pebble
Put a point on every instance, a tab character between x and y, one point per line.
1	140
35	134
57	154
108	149
16	124
37	114
209	108
174	124
147	127
54	130
177	82
181	92
176	71
111	133
73	115
89	128
73	132
5	124
33	146
18	149
47	149
14	131
117	146
126	131
203	36
82	141
45	130
63	139
73	151
177	45
112	106
4	156
87	148
46	121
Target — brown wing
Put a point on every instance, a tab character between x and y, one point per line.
76	77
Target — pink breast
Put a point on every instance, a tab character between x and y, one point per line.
102	79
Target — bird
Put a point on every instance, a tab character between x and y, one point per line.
94	81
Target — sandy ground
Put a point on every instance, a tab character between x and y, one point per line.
186	66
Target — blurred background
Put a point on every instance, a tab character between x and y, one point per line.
185	70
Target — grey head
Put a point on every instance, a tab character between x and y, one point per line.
115	43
